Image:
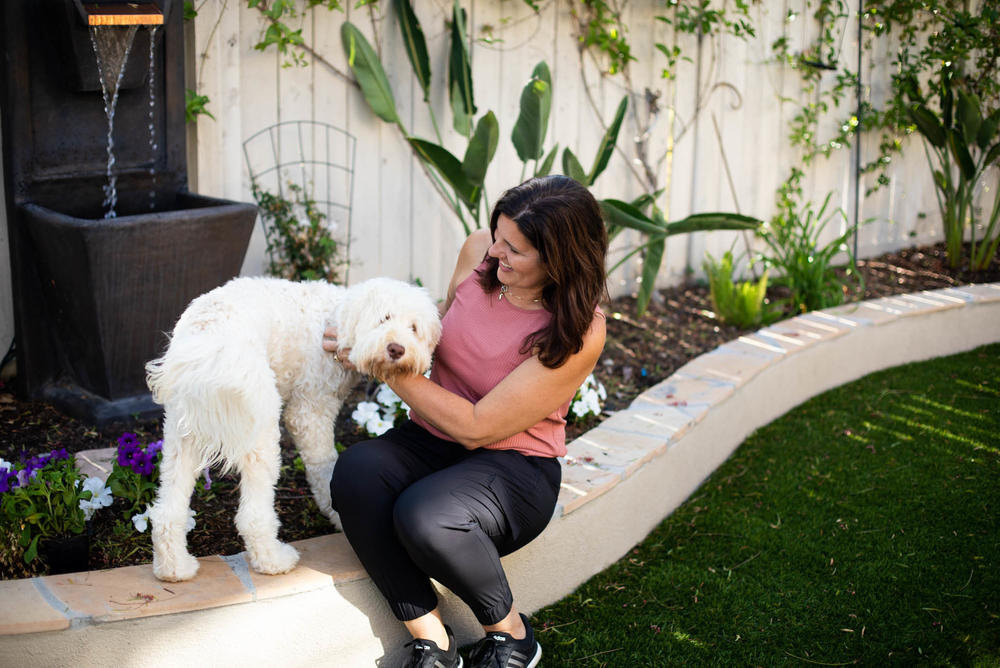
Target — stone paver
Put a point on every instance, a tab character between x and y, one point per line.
666	423
133	591
583	483
730	365
981	292
613	451
680	390
27	611
97	462
323	562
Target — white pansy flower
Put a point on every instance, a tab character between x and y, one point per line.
377	426
100	496
365	411
589	397
387	397
141	521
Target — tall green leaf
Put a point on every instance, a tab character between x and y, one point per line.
608	142
928	125
572	168
969	116
463	106
449	167
988	130
708	222
533	121
959	149
481	149
623	214
650	268
368	71
416	46
545	168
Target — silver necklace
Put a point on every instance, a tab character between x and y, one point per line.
505	289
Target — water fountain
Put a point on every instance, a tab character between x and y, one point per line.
107	244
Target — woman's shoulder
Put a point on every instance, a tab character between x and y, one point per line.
469	258
476	245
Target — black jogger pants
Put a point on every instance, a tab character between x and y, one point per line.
415	507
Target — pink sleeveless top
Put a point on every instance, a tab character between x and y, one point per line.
480	345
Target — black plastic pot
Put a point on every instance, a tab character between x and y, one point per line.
66	554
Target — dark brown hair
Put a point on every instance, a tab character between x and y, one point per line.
562	220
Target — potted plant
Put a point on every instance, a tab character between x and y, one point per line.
45	504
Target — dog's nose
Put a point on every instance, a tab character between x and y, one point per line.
395	350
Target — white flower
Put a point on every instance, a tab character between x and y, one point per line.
100	496
141	521
4	464
387	397
365	411
589	397
377	426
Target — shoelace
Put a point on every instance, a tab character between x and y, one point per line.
416	660
487	650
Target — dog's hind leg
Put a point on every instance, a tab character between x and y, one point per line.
171	514
256	519
312	428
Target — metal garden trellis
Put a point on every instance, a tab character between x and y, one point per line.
316	156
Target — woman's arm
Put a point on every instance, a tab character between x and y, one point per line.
521	400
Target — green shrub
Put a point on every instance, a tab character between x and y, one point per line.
793	248
300	244
739	303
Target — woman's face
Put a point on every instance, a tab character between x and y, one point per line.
520	264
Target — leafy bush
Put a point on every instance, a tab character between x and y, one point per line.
739	303
963	147
793	247
300	244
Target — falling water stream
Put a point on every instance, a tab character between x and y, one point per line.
112	45
152	126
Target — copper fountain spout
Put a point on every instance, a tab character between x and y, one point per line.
122	13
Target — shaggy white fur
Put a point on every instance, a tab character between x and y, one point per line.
245	355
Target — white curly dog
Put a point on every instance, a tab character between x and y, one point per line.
239	358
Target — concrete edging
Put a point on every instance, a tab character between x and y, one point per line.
639	464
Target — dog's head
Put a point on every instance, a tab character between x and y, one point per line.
392	327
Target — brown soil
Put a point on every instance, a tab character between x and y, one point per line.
640	352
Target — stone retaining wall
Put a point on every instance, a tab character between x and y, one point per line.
619	481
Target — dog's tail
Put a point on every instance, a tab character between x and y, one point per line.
221	397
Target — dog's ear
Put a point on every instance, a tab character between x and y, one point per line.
345	319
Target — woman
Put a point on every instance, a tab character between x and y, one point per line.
473	475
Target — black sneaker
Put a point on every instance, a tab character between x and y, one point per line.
501	650
426	654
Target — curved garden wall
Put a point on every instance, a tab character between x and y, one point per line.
619	480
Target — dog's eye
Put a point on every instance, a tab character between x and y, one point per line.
414	328
385	318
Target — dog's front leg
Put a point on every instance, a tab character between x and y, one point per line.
312	428
256	519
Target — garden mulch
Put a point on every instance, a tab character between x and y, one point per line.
640	352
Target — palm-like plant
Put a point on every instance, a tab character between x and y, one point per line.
962	145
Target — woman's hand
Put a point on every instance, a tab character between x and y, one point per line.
342	354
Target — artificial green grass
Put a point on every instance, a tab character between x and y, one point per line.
861	527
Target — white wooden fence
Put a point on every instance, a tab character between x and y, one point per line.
720	142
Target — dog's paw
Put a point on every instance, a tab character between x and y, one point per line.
176	569
277	558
